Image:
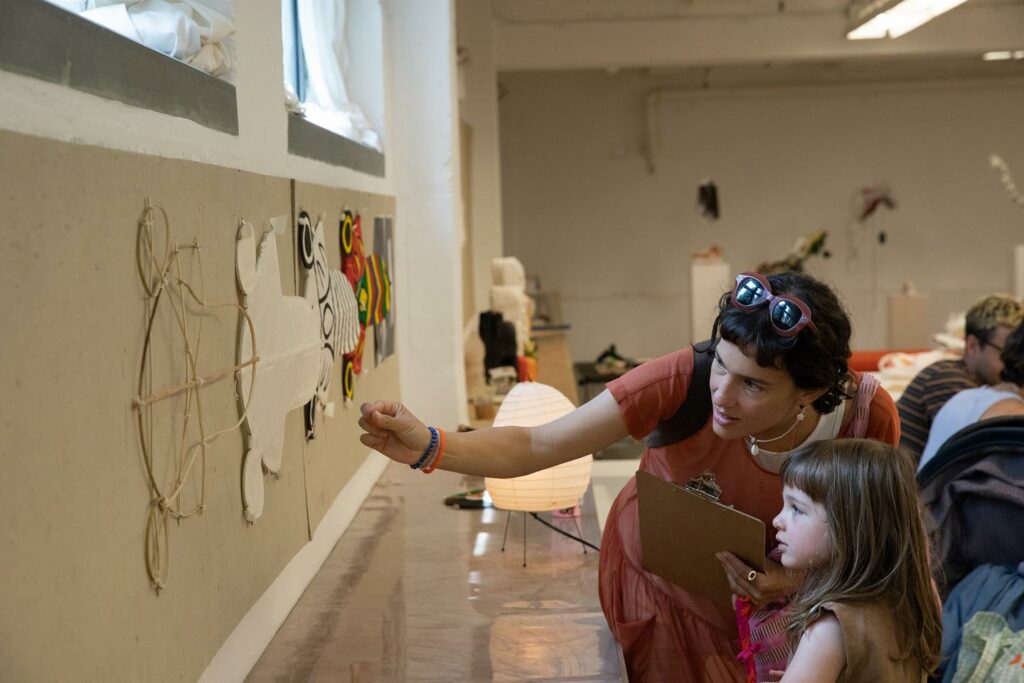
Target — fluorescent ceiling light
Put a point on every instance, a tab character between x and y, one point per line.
893	18
1002	55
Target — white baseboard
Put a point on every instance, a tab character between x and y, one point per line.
243	648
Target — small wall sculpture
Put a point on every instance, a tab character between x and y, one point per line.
287	375
161	272
339	321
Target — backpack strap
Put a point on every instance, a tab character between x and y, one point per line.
696	407
862	404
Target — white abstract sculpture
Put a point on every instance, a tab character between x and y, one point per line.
508	297
530	404
288	333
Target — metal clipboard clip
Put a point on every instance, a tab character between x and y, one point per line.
705	484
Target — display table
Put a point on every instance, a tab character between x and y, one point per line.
587	375
554	362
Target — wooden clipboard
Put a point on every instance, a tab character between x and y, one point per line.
681	530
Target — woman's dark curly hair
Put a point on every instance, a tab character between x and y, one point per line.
813	359
1013	357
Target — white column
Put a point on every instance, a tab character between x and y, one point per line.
479	109
423	160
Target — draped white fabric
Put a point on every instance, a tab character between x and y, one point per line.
187	30
326	103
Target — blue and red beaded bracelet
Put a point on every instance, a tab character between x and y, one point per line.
434	438
431	456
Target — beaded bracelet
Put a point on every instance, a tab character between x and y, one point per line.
428	450
437	459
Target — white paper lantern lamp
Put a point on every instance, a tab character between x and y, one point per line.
530	404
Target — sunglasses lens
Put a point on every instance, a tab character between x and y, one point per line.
785	315
749	292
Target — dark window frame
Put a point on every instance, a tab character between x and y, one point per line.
44	41
306	139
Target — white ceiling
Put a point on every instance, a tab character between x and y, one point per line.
672	35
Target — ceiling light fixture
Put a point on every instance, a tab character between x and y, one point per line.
1002	55
892	18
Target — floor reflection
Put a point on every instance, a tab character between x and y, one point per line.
415	591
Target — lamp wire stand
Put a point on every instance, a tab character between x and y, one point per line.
585	543
524	539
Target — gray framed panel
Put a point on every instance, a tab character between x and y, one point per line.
46	42
313	142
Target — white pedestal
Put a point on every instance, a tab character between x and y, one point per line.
908	321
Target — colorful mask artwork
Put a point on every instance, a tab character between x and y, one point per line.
353	265
288	343
372	292
370	279
339	323
384	331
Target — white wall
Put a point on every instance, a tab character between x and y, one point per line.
598	34
479	109
581	210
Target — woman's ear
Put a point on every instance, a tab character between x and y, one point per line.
809	396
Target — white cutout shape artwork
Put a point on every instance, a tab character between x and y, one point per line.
339	312
288	343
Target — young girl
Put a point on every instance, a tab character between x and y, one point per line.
867	610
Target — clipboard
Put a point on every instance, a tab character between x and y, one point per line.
681	529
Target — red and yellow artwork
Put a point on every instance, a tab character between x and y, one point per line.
353	266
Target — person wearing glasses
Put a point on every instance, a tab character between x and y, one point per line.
778	379
988	324
1002	399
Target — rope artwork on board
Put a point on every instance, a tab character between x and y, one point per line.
160	270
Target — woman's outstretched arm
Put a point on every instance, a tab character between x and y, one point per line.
496	451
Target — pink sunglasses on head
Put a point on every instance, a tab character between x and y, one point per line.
787	313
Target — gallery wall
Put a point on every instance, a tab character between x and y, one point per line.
77	491
582	211
75	488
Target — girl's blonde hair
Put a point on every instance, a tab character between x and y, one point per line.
879	544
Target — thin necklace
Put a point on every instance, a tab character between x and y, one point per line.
752	442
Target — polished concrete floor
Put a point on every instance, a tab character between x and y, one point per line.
416	591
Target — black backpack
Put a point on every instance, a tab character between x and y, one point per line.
695	410
973	490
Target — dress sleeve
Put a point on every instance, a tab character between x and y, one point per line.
653	391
